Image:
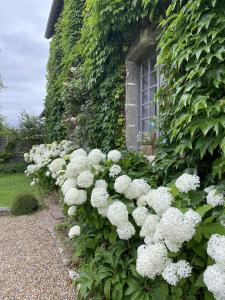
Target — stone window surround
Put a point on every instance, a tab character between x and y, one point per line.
144	44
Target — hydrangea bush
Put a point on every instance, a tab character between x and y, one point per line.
139	240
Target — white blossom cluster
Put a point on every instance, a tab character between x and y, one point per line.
187	182
214	275
50	156
131	189
114	170
118	216
214	197
163	227
174	272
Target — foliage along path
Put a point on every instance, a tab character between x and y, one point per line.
30	266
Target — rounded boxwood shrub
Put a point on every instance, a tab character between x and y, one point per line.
24	204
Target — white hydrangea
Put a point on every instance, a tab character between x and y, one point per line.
151	260
149	226
176	228
193	216
78	152
214	279
122	183
114	155
26	157
214	198
137	188
126	231
159	199
60	180
56	166
114	170
74	231
69	183
216	249
99	197
48	173
76	166
75	197
174	272
85	179
95	157
103	210
142	201
101	183
118	214
187	182
209	188
72	210
140	214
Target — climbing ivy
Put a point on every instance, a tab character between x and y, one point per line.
192	102
95	90
62	57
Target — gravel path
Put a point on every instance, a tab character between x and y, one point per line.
30	266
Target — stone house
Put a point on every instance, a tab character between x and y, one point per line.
142	79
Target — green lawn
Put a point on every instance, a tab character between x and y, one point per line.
12	185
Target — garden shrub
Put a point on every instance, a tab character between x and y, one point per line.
136	241
5	156
12	168
24	204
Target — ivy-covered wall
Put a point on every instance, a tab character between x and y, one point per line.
95	89
192	103
63	56
93	37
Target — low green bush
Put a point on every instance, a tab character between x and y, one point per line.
6	168
5	156
24	204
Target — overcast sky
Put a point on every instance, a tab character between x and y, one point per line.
23	56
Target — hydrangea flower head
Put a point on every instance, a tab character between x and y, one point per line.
122	183
72	210
99	197
214	279
151	260
114	155
126	231
114	170
214	198
216	248
95	157
118	214
187	182
85	179
74	231
140	214
174	272
159	199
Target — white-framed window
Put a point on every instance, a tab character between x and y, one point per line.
150	81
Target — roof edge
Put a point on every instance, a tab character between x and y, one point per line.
56	9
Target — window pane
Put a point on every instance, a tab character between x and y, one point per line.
145	125
153	78
152	111
145	82
152	63
145	97
145	112
145	68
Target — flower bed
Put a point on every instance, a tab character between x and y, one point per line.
137	240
